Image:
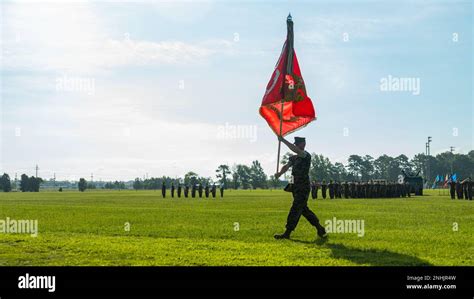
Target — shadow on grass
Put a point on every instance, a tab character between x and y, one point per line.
372	257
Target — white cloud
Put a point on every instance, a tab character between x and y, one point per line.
115	133
186	11
70	38
330	28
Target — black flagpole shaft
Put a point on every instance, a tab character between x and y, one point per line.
287	70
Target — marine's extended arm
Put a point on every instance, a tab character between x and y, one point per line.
291	146
283	170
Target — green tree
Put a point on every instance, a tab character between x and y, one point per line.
355	166
243	175
471	155
367	167
321	168
274	182
205	181
118	185
381	166
286	158
30	184
35	184
258	177
445	162
82	185
404	163
222	173
339	172
463	165
24	183
138	184
5	183
191	178
235	178
419	162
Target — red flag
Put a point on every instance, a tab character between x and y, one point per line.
287	88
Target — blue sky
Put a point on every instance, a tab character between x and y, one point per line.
165	77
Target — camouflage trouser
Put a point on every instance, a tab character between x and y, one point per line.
300	207
452	193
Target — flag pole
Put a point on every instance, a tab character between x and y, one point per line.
279	141
288	69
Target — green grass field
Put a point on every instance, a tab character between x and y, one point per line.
89	229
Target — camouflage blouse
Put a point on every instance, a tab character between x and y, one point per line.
300	168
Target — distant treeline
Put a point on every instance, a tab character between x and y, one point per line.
27	184
240	176
364	168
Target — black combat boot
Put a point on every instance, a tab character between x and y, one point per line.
285	235
321	231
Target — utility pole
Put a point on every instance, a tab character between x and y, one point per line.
36	168
451	149
427	152
428	145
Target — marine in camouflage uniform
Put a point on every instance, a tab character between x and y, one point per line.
186	190
470	190
314	193
403	190
213	190
172	190
338	193
363	189
465	187
357	190
376	192
300	164
324	189
459	190
200	190
408	189
346	189
163	189
221	190
353	190
179	190
368	189
397	190
452	189
331	189
383	190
